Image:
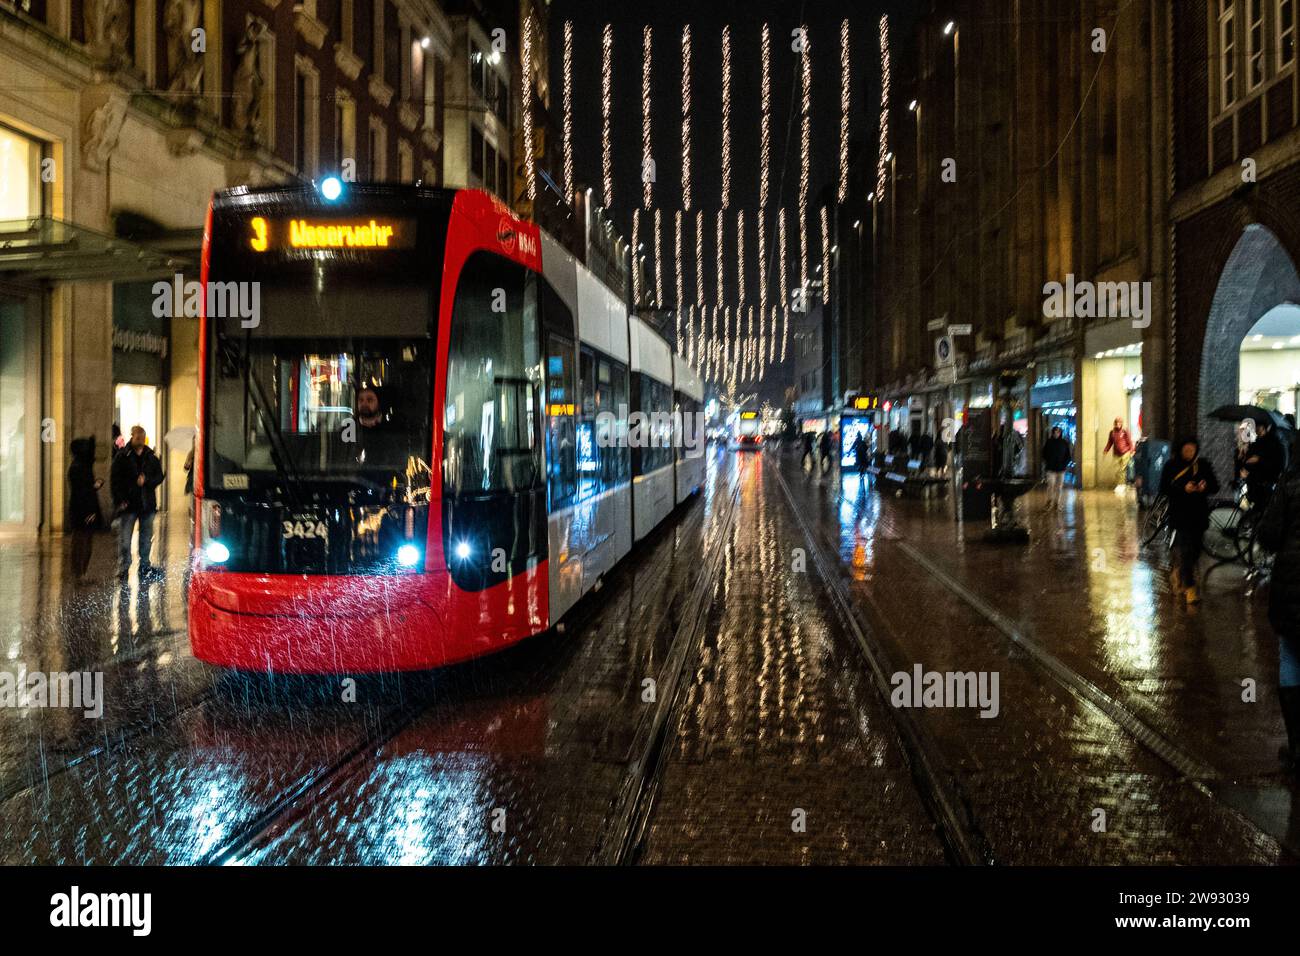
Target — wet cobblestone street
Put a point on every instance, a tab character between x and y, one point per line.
711	703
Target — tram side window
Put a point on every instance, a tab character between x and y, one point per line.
603	457
689	428
656	439
611	407
492	429
561	437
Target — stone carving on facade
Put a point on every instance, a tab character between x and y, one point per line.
250	79
105	112
108	30
184	66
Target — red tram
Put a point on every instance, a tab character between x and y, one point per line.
414	449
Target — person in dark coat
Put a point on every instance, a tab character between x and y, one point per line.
134	480
1279	531
84	516
861	453
1262	466
1189	482
1056	459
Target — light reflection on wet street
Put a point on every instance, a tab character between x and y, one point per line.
779	748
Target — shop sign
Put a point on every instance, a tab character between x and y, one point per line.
129	340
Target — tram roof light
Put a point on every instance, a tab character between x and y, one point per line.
331	188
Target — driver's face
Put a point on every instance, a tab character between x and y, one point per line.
368	404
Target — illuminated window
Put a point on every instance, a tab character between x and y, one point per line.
1285	33
1227	53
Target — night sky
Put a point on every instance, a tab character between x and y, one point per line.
707	19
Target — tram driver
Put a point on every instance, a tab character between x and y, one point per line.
381	444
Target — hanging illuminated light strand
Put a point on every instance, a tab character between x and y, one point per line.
680	297
636	258
567	95
805	150
843	193
726	116
647	160
721	277
826	256
686	117
785	292
699	257
765	128
659	259
762	277
526	72
606	101
742	352
733	362
884	108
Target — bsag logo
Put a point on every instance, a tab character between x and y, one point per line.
75	908
506	235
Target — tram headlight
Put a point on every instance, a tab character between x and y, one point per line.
463	550
408	555
216	553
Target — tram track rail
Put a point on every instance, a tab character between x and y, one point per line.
940	791
1194	771
313	788
624	843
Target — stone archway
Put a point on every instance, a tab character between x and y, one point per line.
1258	276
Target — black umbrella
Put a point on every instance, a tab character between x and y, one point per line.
1258	415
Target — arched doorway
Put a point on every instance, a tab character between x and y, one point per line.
1259	276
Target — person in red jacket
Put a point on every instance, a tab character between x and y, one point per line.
1120	444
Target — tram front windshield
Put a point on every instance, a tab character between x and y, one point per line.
291	405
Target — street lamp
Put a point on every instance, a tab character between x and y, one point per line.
948	28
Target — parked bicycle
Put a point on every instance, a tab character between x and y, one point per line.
1233	530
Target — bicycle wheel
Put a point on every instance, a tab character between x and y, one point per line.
1255	555
1220	540
1156	518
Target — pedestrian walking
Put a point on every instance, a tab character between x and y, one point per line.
84	516
861	453
1056	460
1120	445
1279	531
134	480
824	448
808	459
1188	481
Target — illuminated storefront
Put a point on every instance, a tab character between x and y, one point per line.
21	199
1270	361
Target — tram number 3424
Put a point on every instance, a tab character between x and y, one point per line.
303	529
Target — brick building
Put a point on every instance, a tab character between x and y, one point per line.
1235	211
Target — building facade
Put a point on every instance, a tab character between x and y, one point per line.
1022	156
117	122
1235	213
